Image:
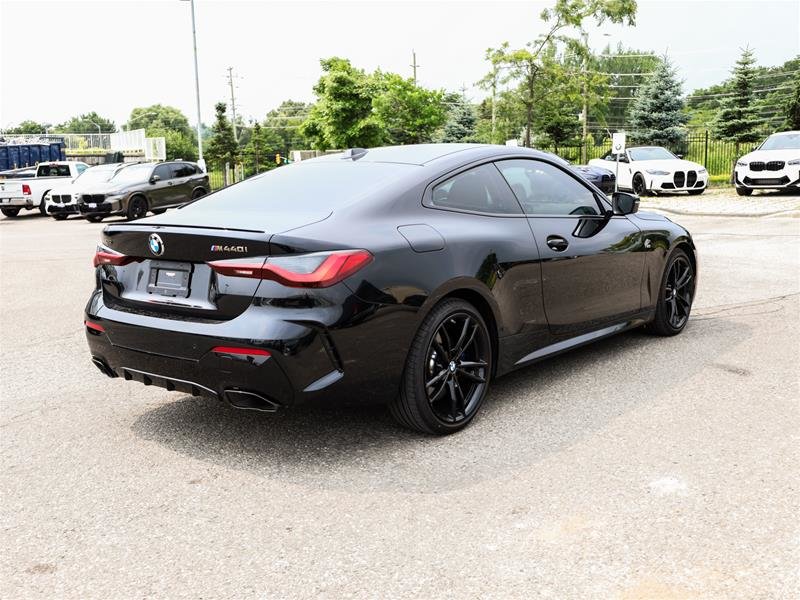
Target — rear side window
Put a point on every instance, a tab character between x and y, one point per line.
543	189
476	190
182	170
53	171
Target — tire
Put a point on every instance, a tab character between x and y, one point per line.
95	218
43	204
198	193
743	191
639	185
675	296
59	217
137	208
696	192
453	350
10	212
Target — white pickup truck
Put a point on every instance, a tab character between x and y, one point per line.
29	193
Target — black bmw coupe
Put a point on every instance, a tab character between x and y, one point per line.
411	276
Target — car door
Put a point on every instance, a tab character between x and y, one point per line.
488	236
160	190
181	183
592	262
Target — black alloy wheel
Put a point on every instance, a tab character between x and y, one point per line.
639	186
676	296
137	208
447	372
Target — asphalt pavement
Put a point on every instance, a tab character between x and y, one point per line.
637	467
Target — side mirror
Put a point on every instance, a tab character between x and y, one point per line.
155	178
624	203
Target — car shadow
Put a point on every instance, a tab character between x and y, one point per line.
529	415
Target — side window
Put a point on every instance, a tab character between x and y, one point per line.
543	189
476	190
80	168
163	171
182	170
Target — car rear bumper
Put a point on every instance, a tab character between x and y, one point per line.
307	360
16	202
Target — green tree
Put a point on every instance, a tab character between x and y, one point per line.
87	123
342	117
657	116
491	82
524	65
461	122
263	144
737	120
284	122
407	113
793	109
160	117
28	127
222	146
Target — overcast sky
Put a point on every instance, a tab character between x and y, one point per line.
61	58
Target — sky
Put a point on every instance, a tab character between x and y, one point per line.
62	58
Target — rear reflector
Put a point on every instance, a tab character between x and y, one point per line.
239	351
317	270
107	256
94	326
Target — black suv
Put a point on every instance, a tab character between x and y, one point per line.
143	187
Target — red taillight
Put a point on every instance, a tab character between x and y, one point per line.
94	326
318	270
107	256
240	351
26	189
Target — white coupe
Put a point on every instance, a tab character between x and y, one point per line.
774	165
648	169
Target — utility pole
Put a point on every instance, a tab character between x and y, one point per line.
585	111
200	160
414	65
233	102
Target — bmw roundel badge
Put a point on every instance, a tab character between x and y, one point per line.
156	244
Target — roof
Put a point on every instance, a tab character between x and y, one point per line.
412	154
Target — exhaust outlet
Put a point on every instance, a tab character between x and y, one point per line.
104	368
249	401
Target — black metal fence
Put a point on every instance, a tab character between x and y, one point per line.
717	156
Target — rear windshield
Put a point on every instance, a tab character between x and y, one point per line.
53	171
787	141
304	188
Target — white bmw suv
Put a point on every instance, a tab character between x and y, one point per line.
774	165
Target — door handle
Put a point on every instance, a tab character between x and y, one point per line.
557	243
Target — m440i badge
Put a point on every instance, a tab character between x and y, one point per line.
219	248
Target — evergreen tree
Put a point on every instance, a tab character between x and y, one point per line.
222	146
793	110
657	116
737	120
461	120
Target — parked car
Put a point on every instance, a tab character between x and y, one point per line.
774	165
62	201
409	275
29	193
600	176
144	187
648	169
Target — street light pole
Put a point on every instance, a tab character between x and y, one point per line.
200	160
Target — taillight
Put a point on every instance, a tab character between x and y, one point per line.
317	270
239	351
107	256
94	327
26	189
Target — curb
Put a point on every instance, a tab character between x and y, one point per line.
792	213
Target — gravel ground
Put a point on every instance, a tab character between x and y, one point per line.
633	468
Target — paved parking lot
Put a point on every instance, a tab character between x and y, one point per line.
634	468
